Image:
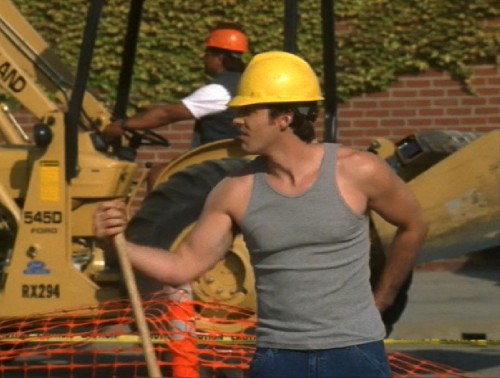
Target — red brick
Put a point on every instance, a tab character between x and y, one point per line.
351	133
351	113
459	111
431	112
494	81
377	133
478	82
420	122
488	91
379	95
418	103
486	70
446	102
486	111
377	113
403	112
440	122
364	104
344	105
344	123
444	83
404	93
422	83
392	104
485	129
471	121
365	123
472	101
392	122
456	92
432	92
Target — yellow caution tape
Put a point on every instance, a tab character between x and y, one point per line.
217	339
125	339
441	342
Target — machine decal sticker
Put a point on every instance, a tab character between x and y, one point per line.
13	79
41	291
47	217
36	267
50	178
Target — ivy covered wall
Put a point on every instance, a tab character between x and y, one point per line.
377	40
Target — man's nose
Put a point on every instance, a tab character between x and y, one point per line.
237	122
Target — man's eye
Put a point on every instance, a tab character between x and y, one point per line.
243	112
247	110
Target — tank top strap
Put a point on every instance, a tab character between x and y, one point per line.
325	176
259	169
327	169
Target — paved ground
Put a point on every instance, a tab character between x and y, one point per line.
454	300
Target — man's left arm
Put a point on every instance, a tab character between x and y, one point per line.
392	199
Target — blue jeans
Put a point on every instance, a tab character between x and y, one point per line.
363	361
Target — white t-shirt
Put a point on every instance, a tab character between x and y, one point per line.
209	99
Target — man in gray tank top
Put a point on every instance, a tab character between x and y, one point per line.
302	208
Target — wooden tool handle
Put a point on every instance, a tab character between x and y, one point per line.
135	299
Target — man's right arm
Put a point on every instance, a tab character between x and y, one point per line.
153	117
205	245
208	99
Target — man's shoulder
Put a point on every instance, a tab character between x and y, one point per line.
241	180
226	75
244	175
232	193
353	155
359	163
228	80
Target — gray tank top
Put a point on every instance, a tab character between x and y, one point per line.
310	255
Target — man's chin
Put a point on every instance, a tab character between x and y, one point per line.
245	146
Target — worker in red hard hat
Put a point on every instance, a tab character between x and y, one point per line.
224	47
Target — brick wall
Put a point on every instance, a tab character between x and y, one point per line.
424	102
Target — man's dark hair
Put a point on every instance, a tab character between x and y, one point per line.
304	116
230	60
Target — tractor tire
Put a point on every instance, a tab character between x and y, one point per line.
173	205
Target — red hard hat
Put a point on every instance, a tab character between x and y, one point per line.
228	39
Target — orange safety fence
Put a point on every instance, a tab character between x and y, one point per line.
190	339
403	365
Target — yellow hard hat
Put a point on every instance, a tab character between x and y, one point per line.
277	77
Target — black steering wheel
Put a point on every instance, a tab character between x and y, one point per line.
144	138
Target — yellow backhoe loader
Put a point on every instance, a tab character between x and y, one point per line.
50	185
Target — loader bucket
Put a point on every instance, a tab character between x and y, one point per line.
460	198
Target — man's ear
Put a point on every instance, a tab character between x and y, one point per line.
220	58
284	120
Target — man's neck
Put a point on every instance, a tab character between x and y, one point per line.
294	161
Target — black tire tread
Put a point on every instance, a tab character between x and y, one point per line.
178	202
